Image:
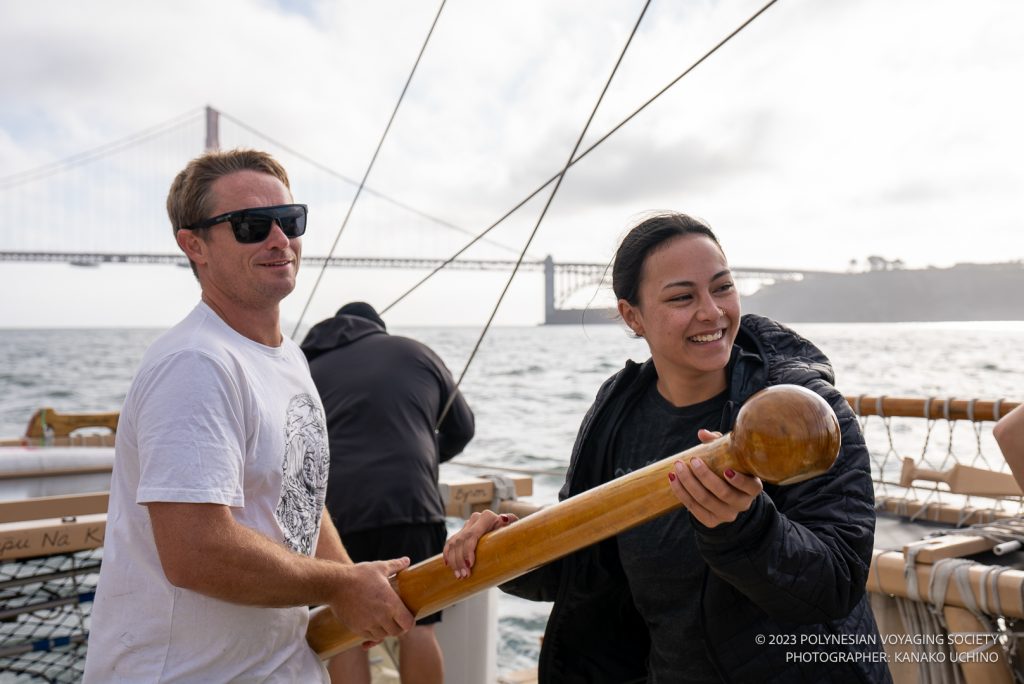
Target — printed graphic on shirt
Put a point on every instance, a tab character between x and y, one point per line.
620	471
305	464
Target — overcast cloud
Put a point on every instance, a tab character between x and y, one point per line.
827	131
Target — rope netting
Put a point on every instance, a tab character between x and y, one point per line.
44	612
936	460
920	462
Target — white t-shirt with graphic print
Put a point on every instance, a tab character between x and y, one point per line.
211	417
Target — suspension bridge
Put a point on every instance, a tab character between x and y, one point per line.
105	206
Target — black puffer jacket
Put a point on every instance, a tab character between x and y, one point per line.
783	600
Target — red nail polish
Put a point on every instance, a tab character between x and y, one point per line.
504	518
730	473
671	477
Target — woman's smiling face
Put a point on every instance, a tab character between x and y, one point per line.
687	309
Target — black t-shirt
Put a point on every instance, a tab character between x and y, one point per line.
660	558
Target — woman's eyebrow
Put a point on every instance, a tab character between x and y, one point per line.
690	283
678	283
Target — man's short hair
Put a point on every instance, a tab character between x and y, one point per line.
190	198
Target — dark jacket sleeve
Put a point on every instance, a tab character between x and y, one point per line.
537	585
801	553
457	428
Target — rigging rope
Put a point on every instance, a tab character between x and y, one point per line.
583	154
368	190
543	213
369	167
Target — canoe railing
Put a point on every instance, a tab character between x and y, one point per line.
950	602
47	427
51	551
935	459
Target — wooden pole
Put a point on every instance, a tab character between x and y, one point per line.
938	408
41	508
55	472
783	434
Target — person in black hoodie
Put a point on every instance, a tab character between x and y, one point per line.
748	582
383	396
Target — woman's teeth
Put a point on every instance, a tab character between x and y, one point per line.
717	335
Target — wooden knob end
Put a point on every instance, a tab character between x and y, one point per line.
786	434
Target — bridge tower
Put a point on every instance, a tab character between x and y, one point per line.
212	129
549	290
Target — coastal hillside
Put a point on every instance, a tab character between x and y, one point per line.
965	292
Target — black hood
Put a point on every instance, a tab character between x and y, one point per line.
338	332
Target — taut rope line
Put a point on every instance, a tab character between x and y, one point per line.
583	154
366	189
543	213
369	167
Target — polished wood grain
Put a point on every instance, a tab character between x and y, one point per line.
935	409
783	434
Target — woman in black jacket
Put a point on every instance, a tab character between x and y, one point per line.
748	582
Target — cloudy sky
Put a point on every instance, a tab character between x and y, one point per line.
823	133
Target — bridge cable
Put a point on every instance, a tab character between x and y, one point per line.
581	156
544	211
369	167
368	190
87	156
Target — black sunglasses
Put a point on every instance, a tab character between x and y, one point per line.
254	225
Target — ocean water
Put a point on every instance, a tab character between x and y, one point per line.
530	387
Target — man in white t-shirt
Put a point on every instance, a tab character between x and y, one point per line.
217	539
